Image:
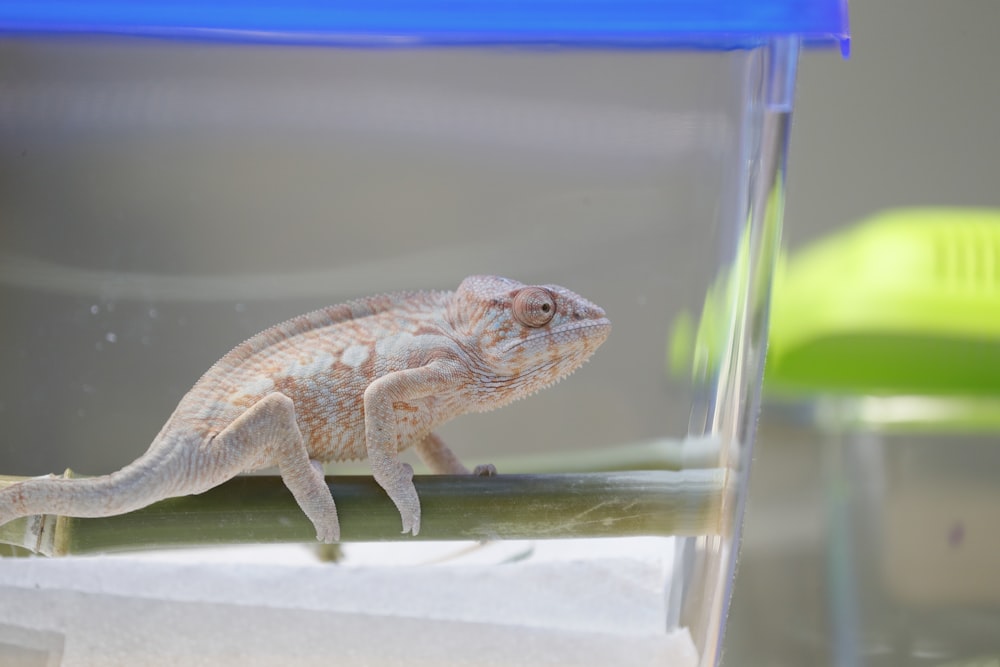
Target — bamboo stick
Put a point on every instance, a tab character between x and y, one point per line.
259	509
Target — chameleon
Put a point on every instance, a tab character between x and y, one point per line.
363	379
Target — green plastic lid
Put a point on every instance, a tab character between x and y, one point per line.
907	302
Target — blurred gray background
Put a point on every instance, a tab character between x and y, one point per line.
911	119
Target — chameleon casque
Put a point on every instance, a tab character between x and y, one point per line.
367	378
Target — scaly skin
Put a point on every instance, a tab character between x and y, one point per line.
367	378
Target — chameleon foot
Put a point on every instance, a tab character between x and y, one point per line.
485	470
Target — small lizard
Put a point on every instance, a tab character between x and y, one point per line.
367	378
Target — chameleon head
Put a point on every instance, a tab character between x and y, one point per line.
524	337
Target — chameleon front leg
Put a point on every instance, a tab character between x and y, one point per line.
381	434
442	461
269	424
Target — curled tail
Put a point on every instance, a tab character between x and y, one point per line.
153	476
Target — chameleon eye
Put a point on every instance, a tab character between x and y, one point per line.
534	307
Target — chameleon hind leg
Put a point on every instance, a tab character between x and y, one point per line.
268	431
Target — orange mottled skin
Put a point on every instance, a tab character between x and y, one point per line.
364	379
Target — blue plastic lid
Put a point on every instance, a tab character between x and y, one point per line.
714	24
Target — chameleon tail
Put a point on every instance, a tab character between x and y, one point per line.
142	482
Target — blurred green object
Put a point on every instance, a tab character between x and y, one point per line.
907	302
904	303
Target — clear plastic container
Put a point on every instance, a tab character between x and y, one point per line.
882	550
874	530
913	541
180	177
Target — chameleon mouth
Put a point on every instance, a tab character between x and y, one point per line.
600	327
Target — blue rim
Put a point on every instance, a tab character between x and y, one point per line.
652	23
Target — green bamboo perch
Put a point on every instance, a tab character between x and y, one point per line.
259	509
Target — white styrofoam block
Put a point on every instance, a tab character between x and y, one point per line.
536	604
112	631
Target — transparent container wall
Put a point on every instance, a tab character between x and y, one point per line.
163	201
913	540
872	539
